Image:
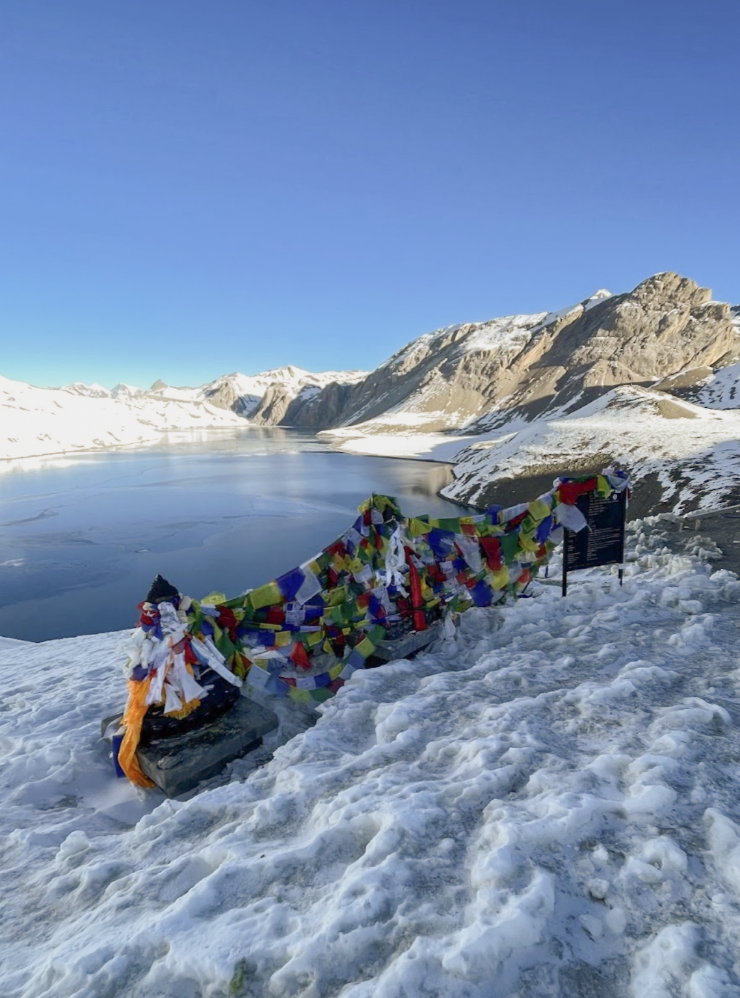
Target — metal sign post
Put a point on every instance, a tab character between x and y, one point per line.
602	541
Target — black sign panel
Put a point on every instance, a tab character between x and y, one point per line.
602	543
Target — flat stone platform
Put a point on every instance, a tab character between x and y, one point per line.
179	763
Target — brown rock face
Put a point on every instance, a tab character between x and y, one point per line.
666	324
321	411
525	365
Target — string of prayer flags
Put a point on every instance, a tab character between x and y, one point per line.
305	633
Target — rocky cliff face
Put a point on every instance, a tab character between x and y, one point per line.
649	380
478	375
666	325
436	382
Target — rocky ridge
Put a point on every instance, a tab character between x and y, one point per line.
479	375
614	379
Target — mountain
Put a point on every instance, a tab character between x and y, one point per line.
635	379
83	417
648	379
36	421
474	376
440	381
91	391
262	398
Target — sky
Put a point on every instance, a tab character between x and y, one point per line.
188	189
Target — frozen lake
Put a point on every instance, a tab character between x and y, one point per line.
82	536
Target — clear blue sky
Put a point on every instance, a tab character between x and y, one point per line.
189	188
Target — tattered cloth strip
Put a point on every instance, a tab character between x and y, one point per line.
303	634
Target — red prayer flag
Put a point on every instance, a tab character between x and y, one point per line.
299	656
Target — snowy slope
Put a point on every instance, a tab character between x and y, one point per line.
56	420
37	421
721	390
545	804
695	452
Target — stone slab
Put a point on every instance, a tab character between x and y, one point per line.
409	644
180	763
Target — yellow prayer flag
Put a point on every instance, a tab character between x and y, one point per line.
538	510
365	647
527	542
214	599
603	487
301	696
265	595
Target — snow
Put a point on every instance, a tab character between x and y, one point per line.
124	390
289	380
93	391
644	430
404	443
647	431
507	335
37	421
545	803
597	298
720	389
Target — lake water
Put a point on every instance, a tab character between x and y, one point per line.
81	537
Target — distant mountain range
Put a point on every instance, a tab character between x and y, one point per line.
648	379
253	397
78	417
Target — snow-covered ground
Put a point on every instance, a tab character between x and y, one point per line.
644	430
36	421
546	803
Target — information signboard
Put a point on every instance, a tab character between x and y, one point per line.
602	542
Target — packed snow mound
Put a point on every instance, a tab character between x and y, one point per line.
545	804
36	421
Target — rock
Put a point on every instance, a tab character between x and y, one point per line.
479	375
179	763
